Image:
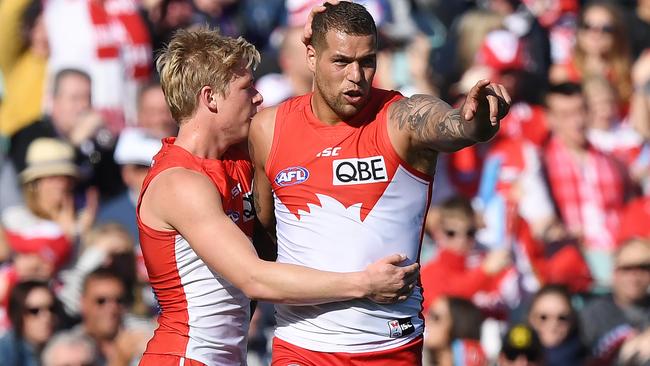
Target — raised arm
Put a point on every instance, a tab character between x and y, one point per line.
424	122
176	196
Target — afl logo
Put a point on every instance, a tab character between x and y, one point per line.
292	175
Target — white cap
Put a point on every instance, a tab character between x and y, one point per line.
136	146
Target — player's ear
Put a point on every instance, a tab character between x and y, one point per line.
311	58
208	97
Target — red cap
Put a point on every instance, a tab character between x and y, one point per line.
501	50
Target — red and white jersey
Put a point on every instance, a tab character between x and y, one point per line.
344	199
203	316
109	40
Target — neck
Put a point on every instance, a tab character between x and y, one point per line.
322	110
195	138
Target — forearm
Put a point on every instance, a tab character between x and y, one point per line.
292	284
432	124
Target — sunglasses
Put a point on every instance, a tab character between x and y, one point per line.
470	233
103	300
562	318
634	267
606	28
36	310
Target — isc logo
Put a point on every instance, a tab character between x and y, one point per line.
292	175
359	171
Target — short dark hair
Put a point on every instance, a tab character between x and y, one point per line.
567	89
149	85
101	274
63	73
466	319
347	17
17	299
457	204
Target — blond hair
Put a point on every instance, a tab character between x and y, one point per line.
197	58
473	26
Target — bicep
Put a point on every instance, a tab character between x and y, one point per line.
194	209
260	140
428	123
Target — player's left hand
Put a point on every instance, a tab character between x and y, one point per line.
486	101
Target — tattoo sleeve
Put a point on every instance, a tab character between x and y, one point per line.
432	123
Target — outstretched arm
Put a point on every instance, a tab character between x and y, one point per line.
426	122
176	196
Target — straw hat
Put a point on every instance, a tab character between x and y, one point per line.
48	157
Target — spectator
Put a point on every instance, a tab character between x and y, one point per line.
134	151
504	56
606	129
24	51
110	42
611	322
295	79
69	349
108	246
72	120
519	20
454	236
48	181
32	310
601	48
103	301
465	37
521	347
553	318
588	186
453	332
153	113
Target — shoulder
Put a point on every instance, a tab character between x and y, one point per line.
264	121
181	182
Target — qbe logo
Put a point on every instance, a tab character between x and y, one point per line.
292	175
400	327
359	171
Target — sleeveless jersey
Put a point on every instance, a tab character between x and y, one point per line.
203	317
343	199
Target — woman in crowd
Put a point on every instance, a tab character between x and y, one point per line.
555	321
601	48
32	311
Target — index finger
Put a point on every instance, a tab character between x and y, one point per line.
306	32
411	269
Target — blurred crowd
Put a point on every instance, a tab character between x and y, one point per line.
536	247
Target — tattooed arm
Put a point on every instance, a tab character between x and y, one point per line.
426	122
260	138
